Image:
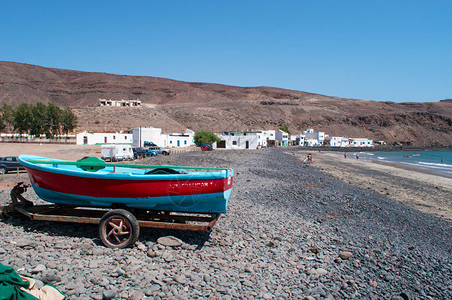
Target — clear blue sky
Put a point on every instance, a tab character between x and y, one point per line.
380	50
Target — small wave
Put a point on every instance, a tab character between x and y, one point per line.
435	164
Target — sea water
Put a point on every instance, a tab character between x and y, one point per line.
437	162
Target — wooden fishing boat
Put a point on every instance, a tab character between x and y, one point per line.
93	182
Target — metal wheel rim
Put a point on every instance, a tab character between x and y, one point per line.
117	231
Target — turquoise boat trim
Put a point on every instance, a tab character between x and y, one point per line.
95	162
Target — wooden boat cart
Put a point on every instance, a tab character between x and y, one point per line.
118	228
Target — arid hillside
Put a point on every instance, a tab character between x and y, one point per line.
176	105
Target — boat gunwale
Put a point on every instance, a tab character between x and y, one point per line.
40	163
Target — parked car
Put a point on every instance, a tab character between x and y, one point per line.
149	144
206	147
139	152
142	152
160	150
150	152
10	163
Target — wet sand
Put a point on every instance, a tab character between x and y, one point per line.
421	190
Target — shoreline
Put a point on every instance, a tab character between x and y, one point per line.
416	188
414	169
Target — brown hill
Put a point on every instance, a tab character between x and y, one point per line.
176	105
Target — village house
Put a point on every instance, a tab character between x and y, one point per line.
261	137
88	138
180	140
338	141
119	103
237	140
360	142
270	137
146	135
313	138
282	137
298	140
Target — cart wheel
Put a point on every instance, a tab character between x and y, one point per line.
119	229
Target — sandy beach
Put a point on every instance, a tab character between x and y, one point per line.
422	191
60	151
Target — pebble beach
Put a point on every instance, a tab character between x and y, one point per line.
292	231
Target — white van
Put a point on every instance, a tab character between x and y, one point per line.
116	152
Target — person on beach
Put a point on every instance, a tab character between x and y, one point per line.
357	155
309	158
345	154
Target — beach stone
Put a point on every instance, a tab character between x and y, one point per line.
151	253
345	255
318	271
141	246
98	251
108	294
120	272
137	295
39	268
169	241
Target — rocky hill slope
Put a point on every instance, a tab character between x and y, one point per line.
176	105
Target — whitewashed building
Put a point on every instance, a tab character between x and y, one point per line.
338	141
270	135
147	134
119	103
360	142
313	138
282	137
299	140
98	138
234	140
180	140
261	137
165	140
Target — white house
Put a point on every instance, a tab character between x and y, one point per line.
88	138
179	139
261	137
166	140
234	140
120	103
313	138
299	140
282	137
293	140
339	141
360	142
147	134
270	135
